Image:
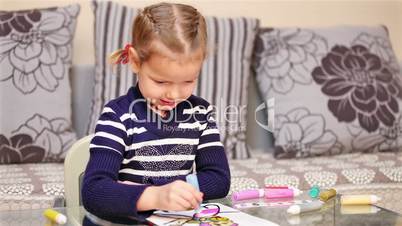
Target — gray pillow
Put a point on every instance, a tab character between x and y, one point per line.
35	94
223	80
336	89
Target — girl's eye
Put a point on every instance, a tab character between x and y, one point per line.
160	82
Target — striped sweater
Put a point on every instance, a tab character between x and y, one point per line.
134	144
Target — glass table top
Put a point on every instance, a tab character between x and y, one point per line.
332	214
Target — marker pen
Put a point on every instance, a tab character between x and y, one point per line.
55	216
276	187
297	209
193	180
268	193
359	199
248	194
327	194
359	209
314	191
281	193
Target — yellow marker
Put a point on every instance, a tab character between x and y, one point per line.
359	199
327	194
359	209
55	216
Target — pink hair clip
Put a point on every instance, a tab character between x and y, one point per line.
123	59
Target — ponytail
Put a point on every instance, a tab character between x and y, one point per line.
120	56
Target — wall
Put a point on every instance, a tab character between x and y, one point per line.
272	13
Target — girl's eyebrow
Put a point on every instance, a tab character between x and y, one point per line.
153	77
159	80
164	80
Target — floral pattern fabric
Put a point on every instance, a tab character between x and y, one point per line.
336	90
38	140
35	57
286	57
373	173
370	173
36	47
347	170
360	86
30	186
300	133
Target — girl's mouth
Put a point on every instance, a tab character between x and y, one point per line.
167	102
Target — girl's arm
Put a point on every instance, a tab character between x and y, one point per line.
102	195
212	165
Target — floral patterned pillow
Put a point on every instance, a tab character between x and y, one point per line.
35	94
336	89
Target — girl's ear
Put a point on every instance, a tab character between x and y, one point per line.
135	61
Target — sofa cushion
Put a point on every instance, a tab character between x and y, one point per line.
30	186
35	94
358	173
223	80
336	90
324	171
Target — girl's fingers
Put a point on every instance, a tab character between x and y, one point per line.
199	196
190	198
185	196
181	203
196	194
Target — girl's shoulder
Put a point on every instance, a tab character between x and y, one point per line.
198	101
121	105
200	107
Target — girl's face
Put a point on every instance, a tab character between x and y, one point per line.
166	82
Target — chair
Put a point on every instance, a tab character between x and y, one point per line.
74	166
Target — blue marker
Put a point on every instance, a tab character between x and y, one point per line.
193	180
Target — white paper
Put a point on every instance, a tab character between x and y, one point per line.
233	214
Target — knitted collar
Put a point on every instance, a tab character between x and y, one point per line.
162	126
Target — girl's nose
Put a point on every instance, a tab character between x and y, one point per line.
174	93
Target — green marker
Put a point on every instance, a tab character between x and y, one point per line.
314	192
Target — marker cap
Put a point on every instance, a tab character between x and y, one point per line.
61	219
294	209
314	191
55	216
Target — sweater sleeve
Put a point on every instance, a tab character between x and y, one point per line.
211	163
102	195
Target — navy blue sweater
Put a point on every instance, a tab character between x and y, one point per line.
132	143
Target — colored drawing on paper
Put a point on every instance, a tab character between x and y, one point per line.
203	221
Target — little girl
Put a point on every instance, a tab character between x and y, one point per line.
148	140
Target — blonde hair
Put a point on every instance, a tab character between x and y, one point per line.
180	28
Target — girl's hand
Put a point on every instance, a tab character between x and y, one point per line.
178	196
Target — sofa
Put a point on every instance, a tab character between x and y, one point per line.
45	180
40	185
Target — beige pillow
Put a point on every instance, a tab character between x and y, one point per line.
35	93
336	89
